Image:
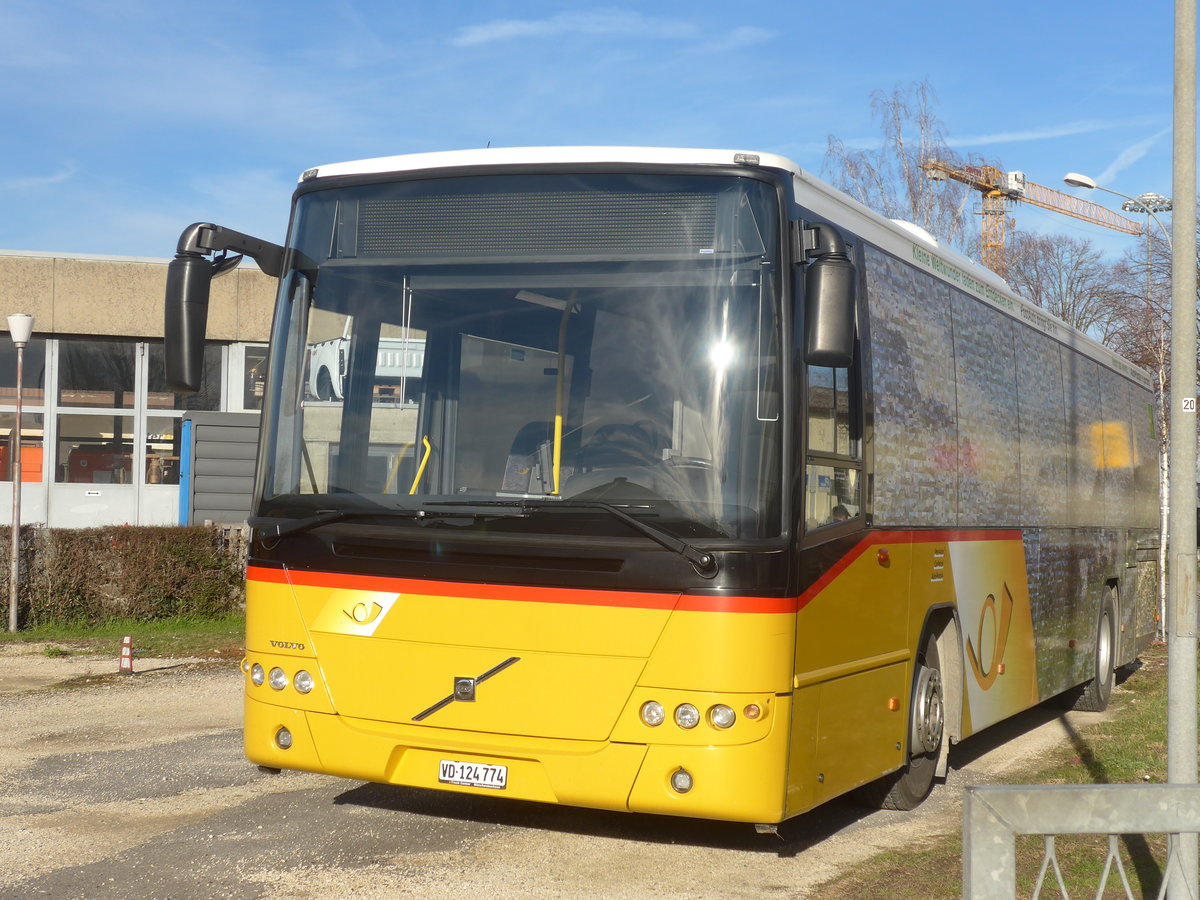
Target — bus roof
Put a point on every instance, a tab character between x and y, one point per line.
514	156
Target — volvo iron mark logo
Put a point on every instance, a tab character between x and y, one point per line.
464	689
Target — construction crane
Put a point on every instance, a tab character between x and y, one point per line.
1001	188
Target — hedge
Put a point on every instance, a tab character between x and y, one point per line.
91	575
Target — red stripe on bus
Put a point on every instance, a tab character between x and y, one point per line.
522	593
875	538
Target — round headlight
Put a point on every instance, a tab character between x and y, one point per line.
258	674
277	679
283	739
687	716
653	713
303	682
722	716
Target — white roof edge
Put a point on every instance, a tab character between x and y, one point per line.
510	156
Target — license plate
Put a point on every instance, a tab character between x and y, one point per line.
473	774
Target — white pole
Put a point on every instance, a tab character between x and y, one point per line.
1181	661
20	327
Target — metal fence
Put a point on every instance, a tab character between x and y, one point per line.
994	815
235	540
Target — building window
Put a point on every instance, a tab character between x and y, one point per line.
31	446
162	449
94	449
33	380
96	373
254	375
157	395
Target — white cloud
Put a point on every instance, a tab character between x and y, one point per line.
1067	129
1129	156
738	38
1037	134
598	23
34	182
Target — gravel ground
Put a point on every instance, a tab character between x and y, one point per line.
136	787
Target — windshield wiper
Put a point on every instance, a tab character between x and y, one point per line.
270	527
704	563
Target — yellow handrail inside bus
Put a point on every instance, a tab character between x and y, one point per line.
559	400
424	462
395	471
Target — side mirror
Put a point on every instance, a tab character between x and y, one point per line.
829	295
185	321
189	279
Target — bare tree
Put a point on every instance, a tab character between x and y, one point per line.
888	178
1068	277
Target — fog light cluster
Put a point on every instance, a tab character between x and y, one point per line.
278	679
687	716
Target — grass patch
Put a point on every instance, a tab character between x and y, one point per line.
1127	748
221	637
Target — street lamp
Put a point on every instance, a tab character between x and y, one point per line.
1143	203
20	327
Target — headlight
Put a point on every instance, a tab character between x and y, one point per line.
258	674
687	716
653	713
283	739
277	679
721	716
303	682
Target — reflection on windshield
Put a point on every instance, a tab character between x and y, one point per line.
640	382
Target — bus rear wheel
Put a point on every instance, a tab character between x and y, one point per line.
1094	696
905	789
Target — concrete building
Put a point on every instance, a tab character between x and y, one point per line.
101	435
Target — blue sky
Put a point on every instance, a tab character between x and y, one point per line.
124	121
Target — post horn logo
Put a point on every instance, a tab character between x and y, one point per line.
362	614
1000	641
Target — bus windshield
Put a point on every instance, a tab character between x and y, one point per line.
613	339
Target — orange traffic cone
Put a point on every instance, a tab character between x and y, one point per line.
126	666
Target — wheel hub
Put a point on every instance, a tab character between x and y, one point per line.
928	715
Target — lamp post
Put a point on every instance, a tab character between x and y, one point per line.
20	327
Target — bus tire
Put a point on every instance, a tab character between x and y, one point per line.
908	787
1094	696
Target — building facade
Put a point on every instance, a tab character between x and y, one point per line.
101	435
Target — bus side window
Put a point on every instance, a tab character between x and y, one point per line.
833	474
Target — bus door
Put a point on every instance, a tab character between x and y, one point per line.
852	670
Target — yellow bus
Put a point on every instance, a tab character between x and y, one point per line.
708	492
